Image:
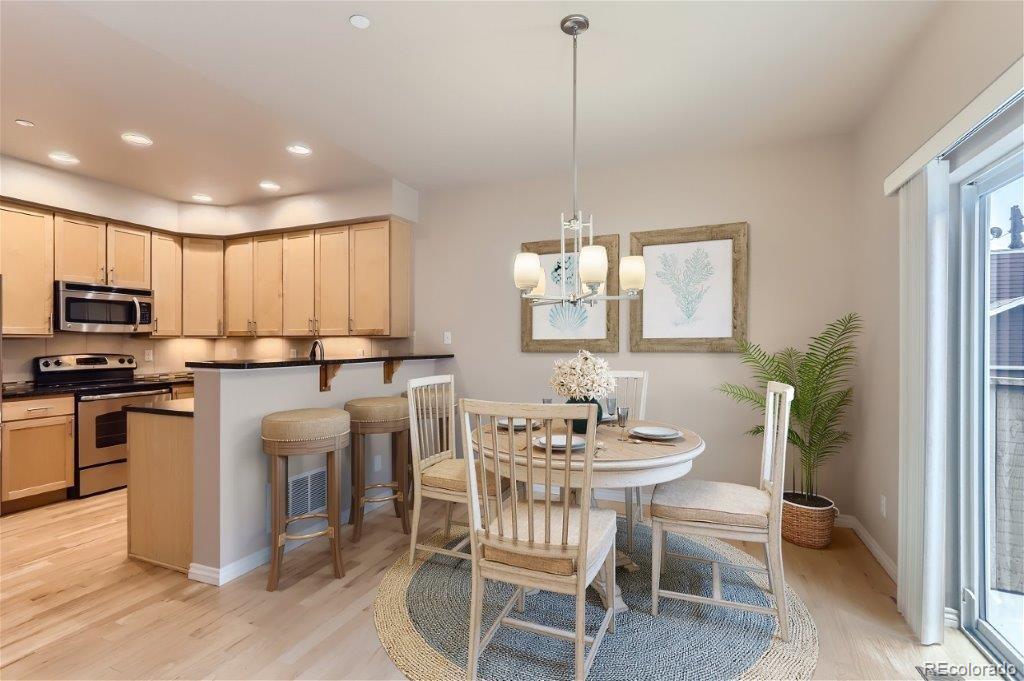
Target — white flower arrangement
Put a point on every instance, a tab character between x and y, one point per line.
583	377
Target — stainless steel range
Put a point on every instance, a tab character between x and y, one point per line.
103	385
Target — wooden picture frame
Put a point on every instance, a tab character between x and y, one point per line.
610	343
738	233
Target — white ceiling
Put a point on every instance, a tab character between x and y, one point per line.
433	93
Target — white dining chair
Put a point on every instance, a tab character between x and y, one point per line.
631	391
436	471
730	511
533	539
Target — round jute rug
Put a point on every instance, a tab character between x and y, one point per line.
422	616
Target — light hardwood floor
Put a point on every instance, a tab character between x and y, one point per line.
72	605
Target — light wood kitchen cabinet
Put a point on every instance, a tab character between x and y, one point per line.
331	273
202	295
268	294
166	272
298	283
80	250
26	260
380	271
38	456
252	286
238	286
128	257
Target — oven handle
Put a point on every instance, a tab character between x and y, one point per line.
138	312
115	396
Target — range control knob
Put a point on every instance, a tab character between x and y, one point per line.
58	362
46	362
120	360
131	360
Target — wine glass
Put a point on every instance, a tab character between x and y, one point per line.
610	404
623	416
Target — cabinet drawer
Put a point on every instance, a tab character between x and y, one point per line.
102	478
181	391
37	408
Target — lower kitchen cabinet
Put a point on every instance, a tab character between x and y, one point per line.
38	456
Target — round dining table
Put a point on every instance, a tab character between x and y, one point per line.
618	463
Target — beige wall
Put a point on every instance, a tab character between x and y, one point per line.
798	202
961	51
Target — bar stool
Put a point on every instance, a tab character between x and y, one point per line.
372	415
299	432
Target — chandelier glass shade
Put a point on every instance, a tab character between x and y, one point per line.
582	265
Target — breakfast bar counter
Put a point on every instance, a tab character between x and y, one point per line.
231	536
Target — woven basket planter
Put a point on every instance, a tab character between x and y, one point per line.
809	526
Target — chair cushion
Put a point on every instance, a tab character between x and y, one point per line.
706	501
450	474
369	409
600	536
305	424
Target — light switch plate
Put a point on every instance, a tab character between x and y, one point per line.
447	337
148	355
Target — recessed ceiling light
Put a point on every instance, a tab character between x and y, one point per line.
63	158
299	149
136	138
24	122
359	21
269	185
202	198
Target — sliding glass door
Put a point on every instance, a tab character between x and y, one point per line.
992	461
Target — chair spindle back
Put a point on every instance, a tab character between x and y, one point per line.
631	391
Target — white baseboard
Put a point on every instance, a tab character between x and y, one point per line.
952	618
887	563
221	576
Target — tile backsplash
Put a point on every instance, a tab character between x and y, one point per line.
170	354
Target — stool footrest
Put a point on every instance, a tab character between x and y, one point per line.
389	497
379	485
304	516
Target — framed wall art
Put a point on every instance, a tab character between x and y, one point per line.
568	328
695	299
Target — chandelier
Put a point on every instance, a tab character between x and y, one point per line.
589	261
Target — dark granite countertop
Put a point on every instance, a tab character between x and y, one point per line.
14	391
182	407
305	362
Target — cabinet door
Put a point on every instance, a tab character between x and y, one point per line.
26	251
298	283
267	287
202	277
331	272
166	285
370	279
238	282
128	257
80	250
38	456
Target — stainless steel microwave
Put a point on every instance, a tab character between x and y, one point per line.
91	308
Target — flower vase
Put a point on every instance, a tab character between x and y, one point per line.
579	426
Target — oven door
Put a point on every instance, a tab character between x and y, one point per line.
103	309
103	424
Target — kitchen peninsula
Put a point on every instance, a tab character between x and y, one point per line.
231	535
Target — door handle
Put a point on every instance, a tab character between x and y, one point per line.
220	327
156	324
39	409
138	312
113	277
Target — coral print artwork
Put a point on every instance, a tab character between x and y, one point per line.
566	321
690	294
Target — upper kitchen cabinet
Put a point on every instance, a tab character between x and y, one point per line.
26	262
331	304
128	257
166	285
380	274
80	250
252	286
202	274
298	271
238	283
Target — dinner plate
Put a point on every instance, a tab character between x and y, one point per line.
558	442
655	432
518	423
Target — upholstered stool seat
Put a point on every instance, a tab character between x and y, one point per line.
305	424
370	416
299	432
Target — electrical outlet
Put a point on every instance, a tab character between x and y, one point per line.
446	337
293	353
882	507
376	463
234	353
147	355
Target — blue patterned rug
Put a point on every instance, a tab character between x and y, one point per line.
422	616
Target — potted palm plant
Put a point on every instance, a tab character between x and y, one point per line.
819	376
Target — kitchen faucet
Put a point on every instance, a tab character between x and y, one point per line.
317	351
